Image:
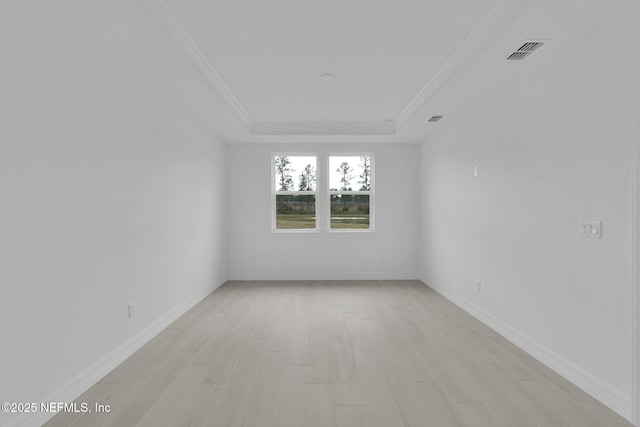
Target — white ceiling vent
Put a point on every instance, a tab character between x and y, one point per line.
435	118
525	50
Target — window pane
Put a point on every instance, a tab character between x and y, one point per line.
295	212
350	173
350	211
295	173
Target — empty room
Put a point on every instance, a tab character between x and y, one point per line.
305	214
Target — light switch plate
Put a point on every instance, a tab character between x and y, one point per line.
590	229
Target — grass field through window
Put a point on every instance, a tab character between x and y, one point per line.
295	221
349	211
306	222
350	221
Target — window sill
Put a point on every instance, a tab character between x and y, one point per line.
322	233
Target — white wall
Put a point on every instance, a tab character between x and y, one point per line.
554	147
110	193
257	253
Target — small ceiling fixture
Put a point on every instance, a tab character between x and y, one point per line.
435	119
326	76
525	50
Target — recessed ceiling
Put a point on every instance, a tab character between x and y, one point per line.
269	53
271	62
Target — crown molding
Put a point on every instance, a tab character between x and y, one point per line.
494	17
177	30
323	128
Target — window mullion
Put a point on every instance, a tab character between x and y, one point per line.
322	200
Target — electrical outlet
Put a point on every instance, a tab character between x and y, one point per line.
476	171
479	286
590	229
132	310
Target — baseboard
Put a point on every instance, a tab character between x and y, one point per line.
615	399
323	276
70	391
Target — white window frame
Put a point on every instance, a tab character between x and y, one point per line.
323	193
370	193
275	193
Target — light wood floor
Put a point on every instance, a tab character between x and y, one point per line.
334	353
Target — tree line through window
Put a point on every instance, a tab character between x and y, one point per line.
349	185
295	204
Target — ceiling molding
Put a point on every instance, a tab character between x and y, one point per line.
323	128
175	27
495	16
492	19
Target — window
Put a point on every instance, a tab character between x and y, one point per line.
350	192
294	187
341	200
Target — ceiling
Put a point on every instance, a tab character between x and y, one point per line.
394	63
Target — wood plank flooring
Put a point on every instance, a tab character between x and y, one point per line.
333	354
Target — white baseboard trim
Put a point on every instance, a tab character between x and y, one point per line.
70	391
615	399
322	276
